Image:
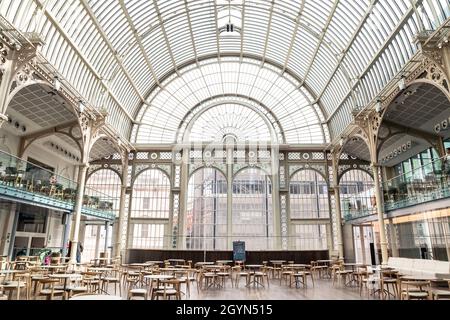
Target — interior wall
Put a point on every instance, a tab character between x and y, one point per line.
7	214
10	143
55	229
349	250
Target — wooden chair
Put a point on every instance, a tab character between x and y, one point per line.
317	268
137	292
113	277
436	294
21	282
301	277
239	273
206	279
48	289
388	282
286	273
339	274
224	274
262	275
415	290
3	296
187	276
171	288
91	280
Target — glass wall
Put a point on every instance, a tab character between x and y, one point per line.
308	195
151	195
109	183
150	204
309	237
252	209
357	194
206	213
424	235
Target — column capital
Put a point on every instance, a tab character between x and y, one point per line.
3	118
84	165
375	165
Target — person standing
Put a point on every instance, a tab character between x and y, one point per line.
79	251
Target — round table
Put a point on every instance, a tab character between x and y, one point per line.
96	297
65	276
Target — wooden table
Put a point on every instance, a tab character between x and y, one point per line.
96	297
65	276
277	267
224	261
253	268
204	263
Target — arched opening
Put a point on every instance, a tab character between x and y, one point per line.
357	194
308	194
252	218
308	197
150	208
107	182
206	213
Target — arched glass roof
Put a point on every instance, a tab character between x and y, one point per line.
118	53
299	118
235	120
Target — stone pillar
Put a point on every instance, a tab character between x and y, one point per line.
337	201
66	231
275	175
363	244
393	237
97	241
77	212
229	199
380	211
106	237
13	234
184	181
118	245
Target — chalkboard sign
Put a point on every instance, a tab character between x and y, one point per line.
239	250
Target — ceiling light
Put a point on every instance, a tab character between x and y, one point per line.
402	83
56	83
341	142
81	106
378	106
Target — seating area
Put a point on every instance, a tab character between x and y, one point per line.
224	150
421	267
26	278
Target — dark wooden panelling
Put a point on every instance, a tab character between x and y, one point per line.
142	255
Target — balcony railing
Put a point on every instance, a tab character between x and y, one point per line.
426	183
26	182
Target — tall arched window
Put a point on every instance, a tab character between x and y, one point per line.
108	183
308	198
151	195
308	194
357	194
252	209
150	204
104	184
206	212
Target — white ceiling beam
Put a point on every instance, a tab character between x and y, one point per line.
374	59
294	34
83	58
349	45
111	48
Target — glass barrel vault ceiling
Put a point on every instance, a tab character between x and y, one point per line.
120	53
